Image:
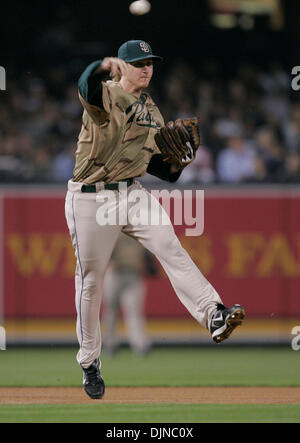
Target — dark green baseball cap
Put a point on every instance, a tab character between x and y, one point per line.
135	50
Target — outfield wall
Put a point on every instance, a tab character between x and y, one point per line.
249	251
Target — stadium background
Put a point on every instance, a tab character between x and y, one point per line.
234	71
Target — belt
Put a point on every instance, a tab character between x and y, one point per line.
110	186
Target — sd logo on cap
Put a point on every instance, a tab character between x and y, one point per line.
135	50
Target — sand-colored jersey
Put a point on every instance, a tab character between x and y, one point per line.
116	142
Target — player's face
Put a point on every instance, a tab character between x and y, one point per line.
140	73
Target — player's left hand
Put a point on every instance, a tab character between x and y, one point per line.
179	141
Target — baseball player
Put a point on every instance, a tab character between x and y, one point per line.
124	288
123	136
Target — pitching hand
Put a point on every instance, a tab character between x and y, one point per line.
114	65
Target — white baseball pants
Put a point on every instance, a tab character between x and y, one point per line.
94	243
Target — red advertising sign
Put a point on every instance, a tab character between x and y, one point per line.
249	251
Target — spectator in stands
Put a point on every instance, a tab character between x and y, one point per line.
291	169
63	164
236	163
270	150
291	128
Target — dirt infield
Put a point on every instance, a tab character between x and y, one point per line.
220	395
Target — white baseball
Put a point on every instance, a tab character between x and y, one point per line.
140	7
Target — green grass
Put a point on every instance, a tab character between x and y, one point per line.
154	413
216	366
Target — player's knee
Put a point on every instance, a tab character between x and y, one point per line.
90	291
92	282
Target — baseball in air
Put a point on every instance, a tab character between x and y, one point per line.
140	7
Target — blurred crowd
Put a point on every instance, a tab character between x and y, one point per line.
250	123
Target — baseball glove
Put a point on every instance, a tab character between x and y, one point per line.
178	141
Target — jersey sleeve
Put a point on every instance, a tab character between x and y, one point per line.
91	90
90	84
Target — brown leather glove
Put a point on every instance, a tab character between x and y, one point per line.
179	141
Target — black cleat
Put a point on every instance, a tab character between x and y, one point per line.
225	320
92	381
